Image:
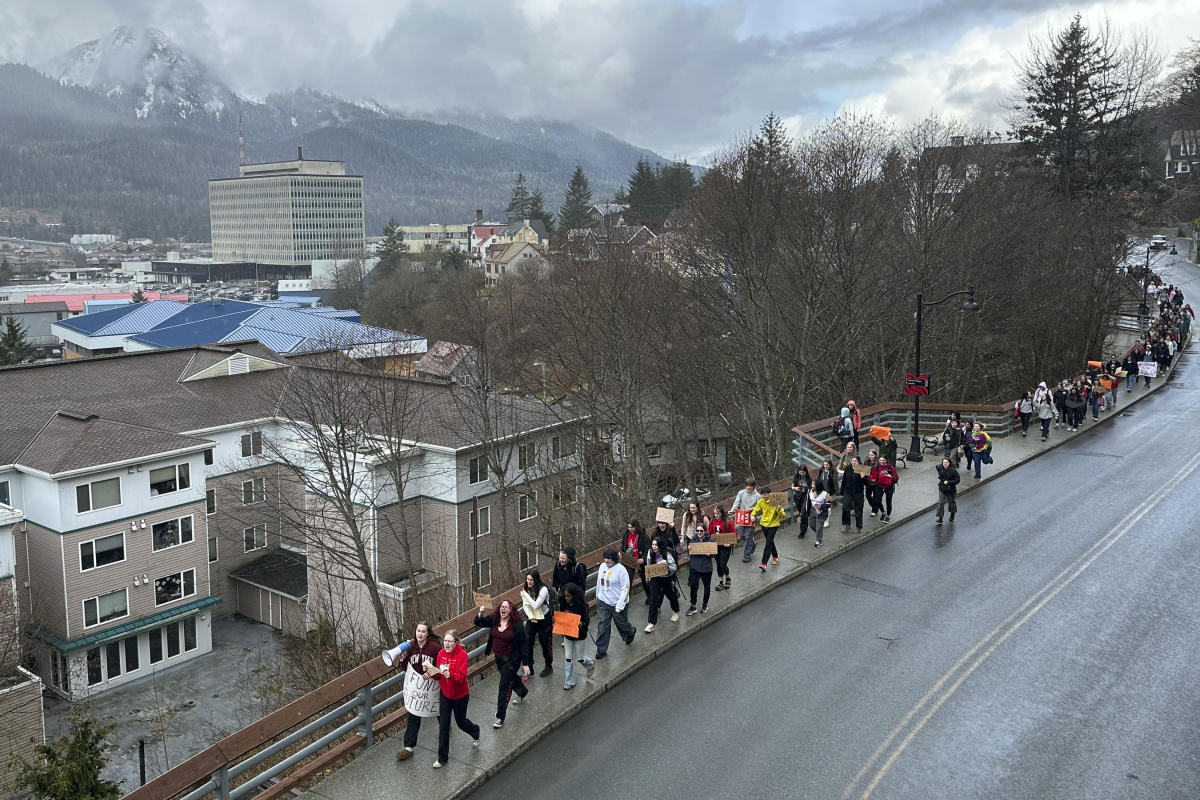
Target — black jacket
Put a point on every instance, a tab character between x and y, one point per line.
853	484
520	645
571	572
953	437
947	474
579	607
828	481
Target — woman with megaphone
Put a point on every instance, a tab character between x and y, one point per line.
416	653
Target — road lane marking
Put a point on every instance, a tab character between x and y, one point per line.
974	657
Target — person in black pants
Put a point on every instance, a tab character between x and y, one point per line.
721	523
535	602
422	649
700	568
506	640
663	585
853	488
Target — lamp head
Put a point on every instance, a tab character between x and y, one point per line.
970	307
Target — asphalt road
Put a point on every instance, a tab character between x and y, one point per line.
1039	647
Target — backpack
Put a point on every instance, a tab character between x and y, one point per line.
551	600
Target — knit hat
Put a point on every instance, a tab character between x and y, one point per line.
611	555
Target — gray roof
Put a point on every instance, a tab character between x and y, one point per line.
70	441
280	571
442	359
48	307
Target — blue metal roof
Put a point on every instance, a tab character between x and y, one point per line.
88	324
201	331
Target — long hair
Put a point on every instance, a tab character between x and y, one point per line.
571	597
637	526
537	581
722	514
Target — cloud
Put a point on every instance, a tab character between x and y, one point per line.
683	77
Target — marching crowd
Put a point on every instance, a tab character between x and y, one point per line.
856	481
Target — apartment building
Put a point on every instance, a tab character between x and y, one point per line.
435	238
287	213
165	488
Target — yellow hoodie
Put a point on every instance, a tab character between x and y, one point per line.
772	516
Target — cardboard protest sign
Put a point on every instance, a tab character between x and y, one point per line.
1148	368
1107	384
566	623
421	694
630	562
704	548
482	600
777	499
863	469
725	539
432	670
532	612
664	515
659	570
1095	364
1122	373
881	432
742	517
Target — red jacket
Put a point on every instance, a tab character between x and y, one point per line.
884	476
456	685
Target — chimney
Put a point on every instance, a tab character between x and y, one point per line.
479	216
300	152
957	141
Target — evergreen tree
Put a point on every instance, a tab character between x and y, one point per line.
574	211
453	260
1080	108
69	769
14	346
518	205
138	296
676	182
393	248
645	197
537	210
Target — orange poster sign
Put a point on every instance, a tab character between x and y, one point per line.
742	517
882	432
566	623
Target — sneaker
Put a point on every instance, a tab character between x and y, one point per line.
775	560
499	723
761	568
826	525
703	609
691	611
549	670
872	514
816	544
568	687
952	516
649	628
629	641
601	655
845	529
475	742
404	755
939	520
745	560
516	700
437	765
675	617
720	587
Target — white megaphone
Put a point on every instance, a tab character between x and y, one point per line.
390	657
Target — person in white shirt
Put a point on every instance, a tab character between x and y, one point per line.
535	602
746	500
612	601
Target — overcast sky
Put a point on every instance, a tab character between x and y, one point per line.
682	77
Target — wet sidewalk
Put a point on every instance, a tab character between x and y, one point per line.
377	774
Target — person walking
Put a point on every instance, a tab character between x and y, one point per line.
887	447
1075	403
1130	365
1024	411
691	518
669	534
568	570
746	499
661	585
953	440
422	649
848	452
818	498
853	487
456	694
828	479
1045	413
612	602
801	483
700	568
720	523
855	419
770	516
981	447
572	600
506	640
539	616
885	478
947	489
636	545
843	427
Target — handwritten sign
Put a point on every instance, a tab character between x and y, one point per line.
421	694
704	548
725	539
863	469
881	432
659	570
1148	369
664	515
482	600
742	517
532	612
1107	384
1122	373
567	624
432	670
777	499
630	562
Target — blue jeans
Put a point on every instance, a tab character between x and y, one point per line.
573	654
976	459
605	615
1129	379
746	534
1112	395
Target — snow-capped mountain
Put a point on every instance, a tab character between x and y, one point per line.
143	68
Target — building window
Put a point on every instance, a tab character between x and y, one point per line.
132	654
529	556
105	608
654	451
481	573
156	653
171	532
255	538
704	448
175	586
5	498
526	456
1184	167
101	552
562	446
213	549
564	495
251	444
112	659
208	457
172	632
169	479
527	506
481	523
189	634
479	471
210	501
97	495
94	675
254	491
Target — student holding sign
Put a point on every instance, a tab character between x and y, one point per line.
451	671
422	650
700	567
506	640
535	602
661	585
854	485
717	525
745	501
636	545
573	602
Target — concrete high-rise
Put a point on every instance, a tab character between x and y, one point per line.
287	213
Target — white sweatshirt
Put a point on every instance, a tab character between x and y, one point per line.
612	585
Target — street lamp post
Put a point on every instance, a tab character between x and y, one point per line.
542	364
1144	308
969	307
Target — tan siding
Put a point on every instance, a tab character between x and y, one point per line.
22	731
397	525
140	560
44	601
439	540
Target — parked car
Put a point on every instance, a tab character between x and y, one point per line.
682	496
1158	242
